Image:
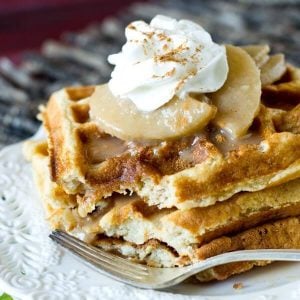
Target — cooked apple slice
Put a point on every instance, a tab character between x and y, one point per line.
293	72
259	53
121	118
239	99
273	69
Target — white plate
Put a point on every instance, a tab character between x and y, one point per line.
33	267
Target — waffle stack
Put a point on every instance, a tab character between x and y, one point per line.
174	202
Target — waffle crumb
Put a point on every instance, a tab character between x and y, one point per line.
238	285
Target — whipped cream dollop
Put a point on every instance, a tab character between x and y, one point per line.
166	58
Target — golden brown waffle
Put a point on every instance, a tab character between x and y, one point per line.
163	202
170	237
282	234
191	172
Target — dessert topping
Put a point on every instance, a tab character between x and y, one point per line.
166	58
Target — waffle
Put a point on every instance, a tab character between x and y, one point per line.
281	234
195	171
171	237
174	202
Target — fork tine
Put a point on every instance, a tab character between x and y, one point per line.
101	266
112	265
99	252
107	266
97	255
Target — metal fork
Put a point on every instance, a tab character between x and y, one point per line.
142	276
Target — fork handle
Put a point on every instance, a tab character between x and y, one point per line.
246	255
230	257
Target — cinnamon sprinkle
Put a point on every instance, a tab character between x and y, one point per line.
130	26
167	74
165	47
148	34
171	55
199	48
162	36
182	81
171	72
